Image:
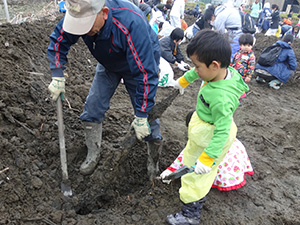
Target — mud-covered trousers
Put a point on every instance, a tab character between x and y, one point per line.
98	100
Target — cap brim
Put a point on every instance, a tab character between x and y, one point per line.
78	26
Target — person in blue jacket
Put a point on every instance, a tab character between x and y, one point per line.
265	18
118	35
283	68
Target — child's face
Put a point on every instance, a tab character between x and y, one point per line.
246	48
211	73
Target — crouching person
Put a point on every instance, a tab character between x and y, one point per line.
282	69
211	130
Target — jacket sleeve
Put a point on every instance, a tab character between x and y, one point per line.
166	50
143	53
179	56
191	75
220	22
251	66
233	62
292	61
60	43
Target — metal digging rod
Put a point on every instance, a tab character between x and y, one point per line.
65	183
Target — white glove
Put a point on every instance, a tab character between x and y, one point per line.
181	67
141	127
178	86
187	66
201	168
164	174
56	87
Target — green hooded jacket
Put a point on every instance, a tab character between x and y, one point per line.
216	103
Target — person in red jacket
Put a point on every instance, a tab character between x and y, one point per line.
118	35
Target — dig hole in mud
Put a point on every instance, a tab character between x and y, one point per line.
93	205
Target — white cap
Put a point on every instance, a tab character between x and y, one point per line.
81	15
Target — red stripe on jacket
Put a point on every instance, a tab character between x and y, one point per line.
145	74
56	48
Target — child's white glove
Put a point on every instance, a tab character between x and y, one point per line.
187	66
182	67
201	168
164	174
178	86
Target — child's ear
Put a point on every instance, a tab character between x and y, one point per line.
215	65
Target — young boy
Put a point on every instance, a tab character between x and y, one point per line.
244	59
170	51
211	130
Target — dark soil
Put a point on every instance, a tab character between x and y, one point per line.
119	192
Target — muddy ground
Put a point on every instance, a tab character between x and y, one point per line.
120	192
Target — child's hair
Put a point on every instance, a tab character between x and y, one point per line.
209	12
274	6
246	39
177	34
210	45
288	38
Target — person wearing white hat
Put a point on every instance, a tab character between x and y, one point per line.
119	37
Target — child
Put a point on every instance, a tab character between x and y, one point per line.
211	130
244	59
170	51
274	21
283	68
265	18
294	31
231	171
286	25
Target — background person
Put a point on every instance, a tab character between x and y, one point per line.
294	31
283	68
275	19
170	50
255	10
286	25
204	22
228	19
265	18
177	13
244	59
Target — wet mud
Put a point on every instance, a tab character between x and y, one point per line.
119	191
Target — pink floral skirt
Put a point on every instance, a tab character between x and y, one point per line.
231	171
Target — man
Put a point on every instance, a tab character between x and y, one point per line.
228	18
120	38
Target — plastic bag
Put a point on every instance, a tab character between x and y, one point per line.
166	74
